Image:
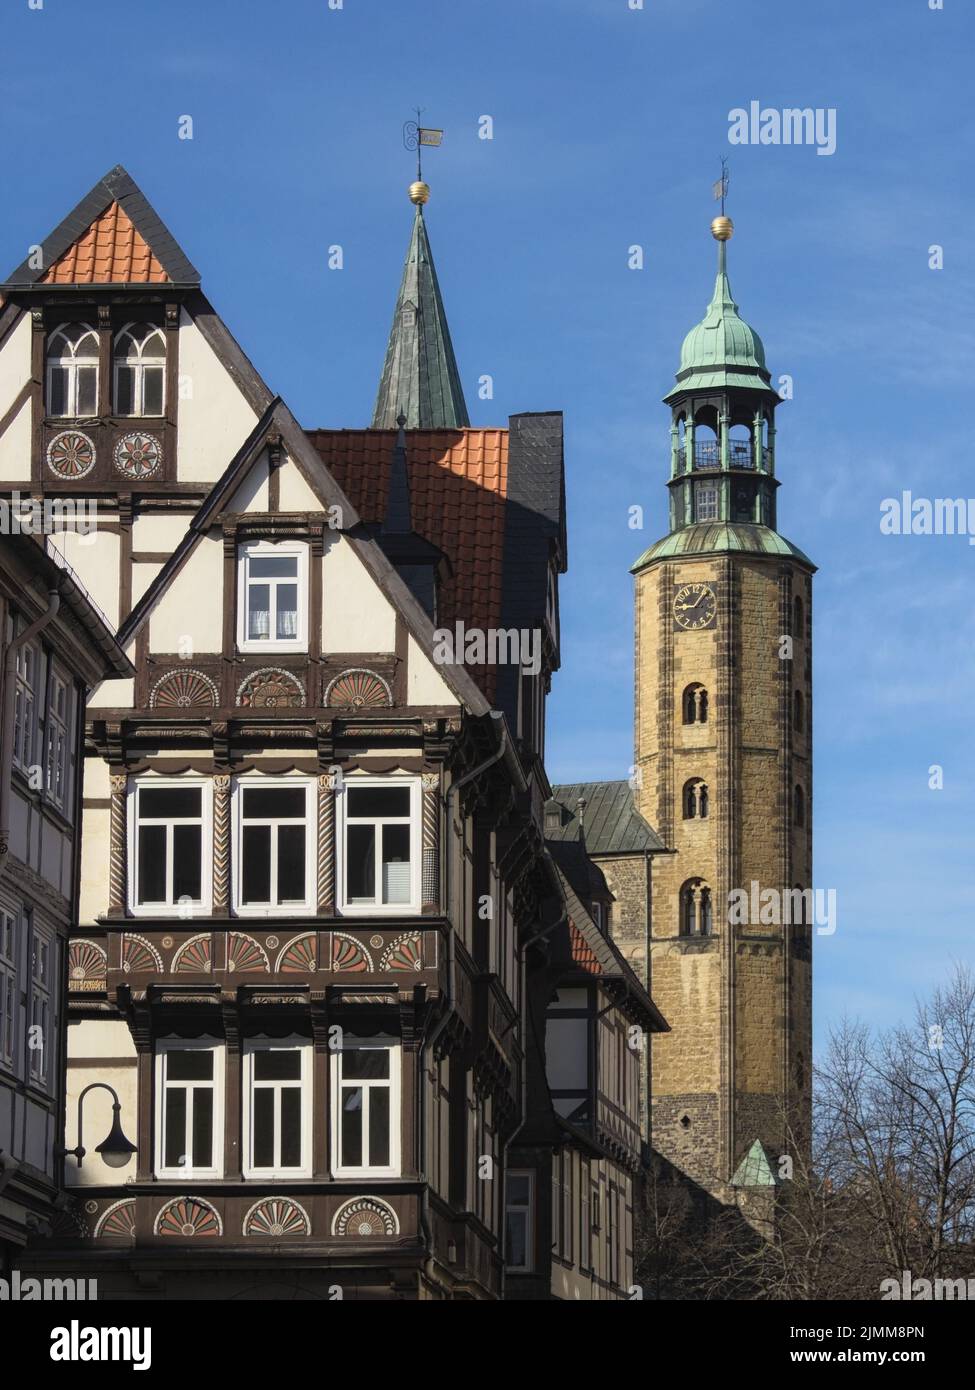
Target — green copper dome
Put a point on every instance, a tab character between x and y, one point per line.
722	350
720	537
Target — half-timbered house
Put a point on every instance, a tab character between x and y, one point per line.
316	895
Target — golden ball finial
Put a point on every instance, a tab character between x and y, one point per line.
419	193
722	228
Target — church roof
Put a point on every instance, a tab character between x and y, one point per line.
722	350
612	823
112	237
720	537
755	1169
420	379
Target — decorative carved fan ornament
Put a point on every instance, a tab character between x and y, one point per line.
299	956
403	955
180	689
359	689
275	1216
139	954
186	1217
349	954
118	1219
244	953
194	957
71	454
138	455
271	688
364	1217
86	961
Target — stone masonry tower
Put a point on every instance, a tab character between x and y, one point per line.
724	751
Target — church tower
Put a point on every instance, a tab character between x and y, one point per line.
724	757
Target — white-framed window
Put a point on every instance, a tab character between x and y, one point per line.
379	845
272	596
365	1075
25	704
277	1107
9	992
139	363
72	371
275	837
56	751
40	1036
519	1190
189	1107
169	844
705	501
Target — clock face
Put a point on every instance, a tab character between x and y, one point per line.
695	606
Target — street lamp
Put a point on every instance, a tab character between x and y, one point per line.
116	1149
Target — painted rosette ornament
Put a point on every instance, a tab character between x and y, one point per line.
71	454
138	455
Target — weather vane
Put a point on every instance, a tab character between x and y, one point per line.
415	136
720	188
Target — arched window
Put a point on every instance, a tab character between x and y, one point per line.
695	704
740	446
695	908
799	806
798	629
140	370
72	371
798	712
695	799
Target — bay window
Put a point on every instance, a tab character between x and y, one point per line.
169	844
56	752
189	1108
277	1108
27	663
9	992
272	597
274	845
41	1048
366	1108
379	857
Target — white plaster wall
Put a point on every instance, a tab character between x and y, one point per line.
142	577
215	419
252	494
108	1038
296	495
15	364
15	445
356	615
160	533
95	842
95	559
425	685
192	607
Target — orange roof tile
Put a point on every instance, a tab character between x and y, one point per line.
110	252
582	952
458	487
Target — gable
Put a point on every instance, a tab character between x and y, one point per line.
110	252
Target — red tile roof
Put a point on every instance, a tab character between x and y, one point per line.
458	487
582	953
110	252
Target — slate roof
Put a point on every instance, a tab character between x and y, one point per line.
612	823
420	379
109	249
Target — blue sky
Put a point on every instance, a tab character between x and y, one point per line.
609	125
